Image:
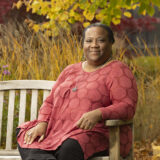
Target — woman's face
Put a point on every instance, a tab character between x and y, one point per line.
97	48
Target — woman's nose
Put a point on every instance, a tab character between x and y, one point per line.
94	44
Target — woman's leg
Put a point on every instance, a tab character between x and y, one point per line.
99	154
35	154
69	150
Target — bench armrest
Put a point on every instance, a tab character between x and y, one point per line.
113	123
114	136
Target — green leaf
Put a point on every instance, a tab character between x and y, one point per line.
150	10
128	2
93	8
142	8
113	3
83	1
156	2
117	11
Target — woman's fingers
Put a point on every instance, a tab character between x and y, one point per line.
89	119
41	138
37	131
32	138
79	122
84	124
87	125
27	137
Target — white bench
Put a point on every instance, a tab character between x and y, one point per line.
11	87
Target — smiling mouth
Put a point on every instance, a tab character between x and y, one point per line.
95	51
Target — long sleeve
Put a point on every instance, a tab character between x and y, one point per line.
123	93
46	108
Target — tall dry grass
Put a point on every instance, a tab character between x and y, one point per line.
146	66
35	56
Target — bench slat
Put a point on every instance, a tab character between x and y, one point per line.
100	158
34	105
26	84
45	94
10	158
1	112
10	119
13	152
22	108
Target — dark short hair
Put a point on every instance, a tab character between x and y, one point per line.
108	29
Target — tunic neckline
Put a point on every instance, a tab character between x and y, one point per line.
98	69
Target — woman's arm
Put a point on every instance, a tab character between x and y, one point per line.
123	97
123	94
46	108
44	115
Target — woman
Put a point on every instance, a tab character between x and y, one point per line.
70	125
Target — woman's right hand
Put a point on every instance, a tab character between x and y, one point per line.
38	131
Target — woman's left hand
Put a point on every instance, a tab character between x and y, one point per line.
89	119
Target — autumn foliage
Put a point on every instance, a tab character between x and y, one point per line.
62	13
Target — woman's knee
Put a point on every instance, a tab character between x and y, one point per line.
70	149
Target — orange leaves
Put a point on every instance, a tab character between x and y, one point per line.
143	150
147	150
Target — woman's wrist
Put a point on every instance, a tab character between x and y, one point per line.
99	114
42	123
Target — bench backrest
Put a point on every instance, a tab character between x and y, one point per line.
23	86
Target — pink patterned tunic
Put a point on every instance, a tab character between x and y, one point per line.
112	89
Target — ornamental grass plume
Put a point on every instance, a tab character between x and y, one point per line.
34	55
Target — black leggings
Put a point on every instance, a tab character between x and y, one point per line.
69	150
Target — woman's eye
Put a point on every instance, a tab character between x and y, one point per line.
101	40
88	40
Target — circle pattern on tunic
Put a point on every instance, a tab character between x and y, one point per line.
92	92
125	82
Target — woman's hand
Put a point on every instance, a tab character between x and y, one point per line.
38	131
89	119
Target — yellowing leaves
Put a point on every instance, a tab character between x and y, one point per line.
57	8
35	6
116	21
134	6
36	27
144	12
70	11
86	24
88	15
127	14
63	17
18	5
99	16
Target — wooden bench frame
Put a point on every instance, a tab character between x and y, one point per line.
35	85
